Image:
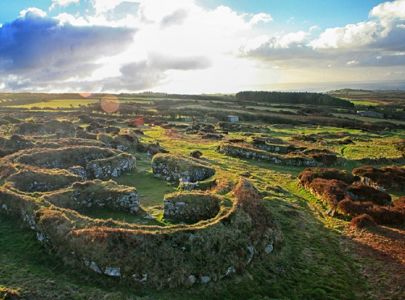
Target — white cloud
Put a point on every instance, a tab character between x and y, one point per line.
260	17
183	46
389	10
352	45
352	35
32	11
62	3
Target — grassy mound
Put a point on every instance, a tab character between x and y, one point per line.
86	195
13	144
95	162
64	142
298	159
191	207
41	180
60	128
175	167
60	158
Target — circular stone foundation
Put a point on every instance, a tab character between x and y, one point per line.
224	237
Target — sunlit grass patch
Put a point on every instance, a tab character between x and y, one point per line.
58	103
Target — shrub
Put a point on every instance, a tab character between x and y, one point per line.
250	200
399	203
381	214
331	190
387	177
363	221
387	215
353	209
361	192
310	174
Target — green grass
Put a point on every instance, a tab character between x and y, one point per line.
365	102
58	103
140	218
373	149
150	189
312	262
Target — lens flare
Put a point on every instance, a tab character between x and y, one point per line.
110	104
85	94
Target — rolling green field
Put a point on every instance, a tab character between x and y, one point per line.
57	103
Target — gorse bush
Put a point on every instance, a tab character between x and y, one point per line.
351	197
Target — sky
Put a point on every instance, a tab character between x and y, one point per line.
201	46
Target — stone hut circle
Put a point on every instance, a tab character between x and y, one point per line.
52	184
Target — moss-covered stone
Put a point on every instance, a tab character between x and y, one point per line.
13	144
174	167
296	159
96	193
148	254
61	158
191	207
41	180
111	166
59	128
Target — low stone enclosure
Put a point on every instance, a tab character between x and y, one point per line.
227	236
85	161
175	167
347	195
210	237
308	158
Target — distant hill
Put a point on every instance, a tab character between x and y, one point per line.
384	97
293	98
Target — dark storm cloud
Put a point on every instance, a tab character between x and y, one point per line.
148	73
40	47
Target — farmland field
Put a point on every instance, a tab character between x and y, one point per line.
57	103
